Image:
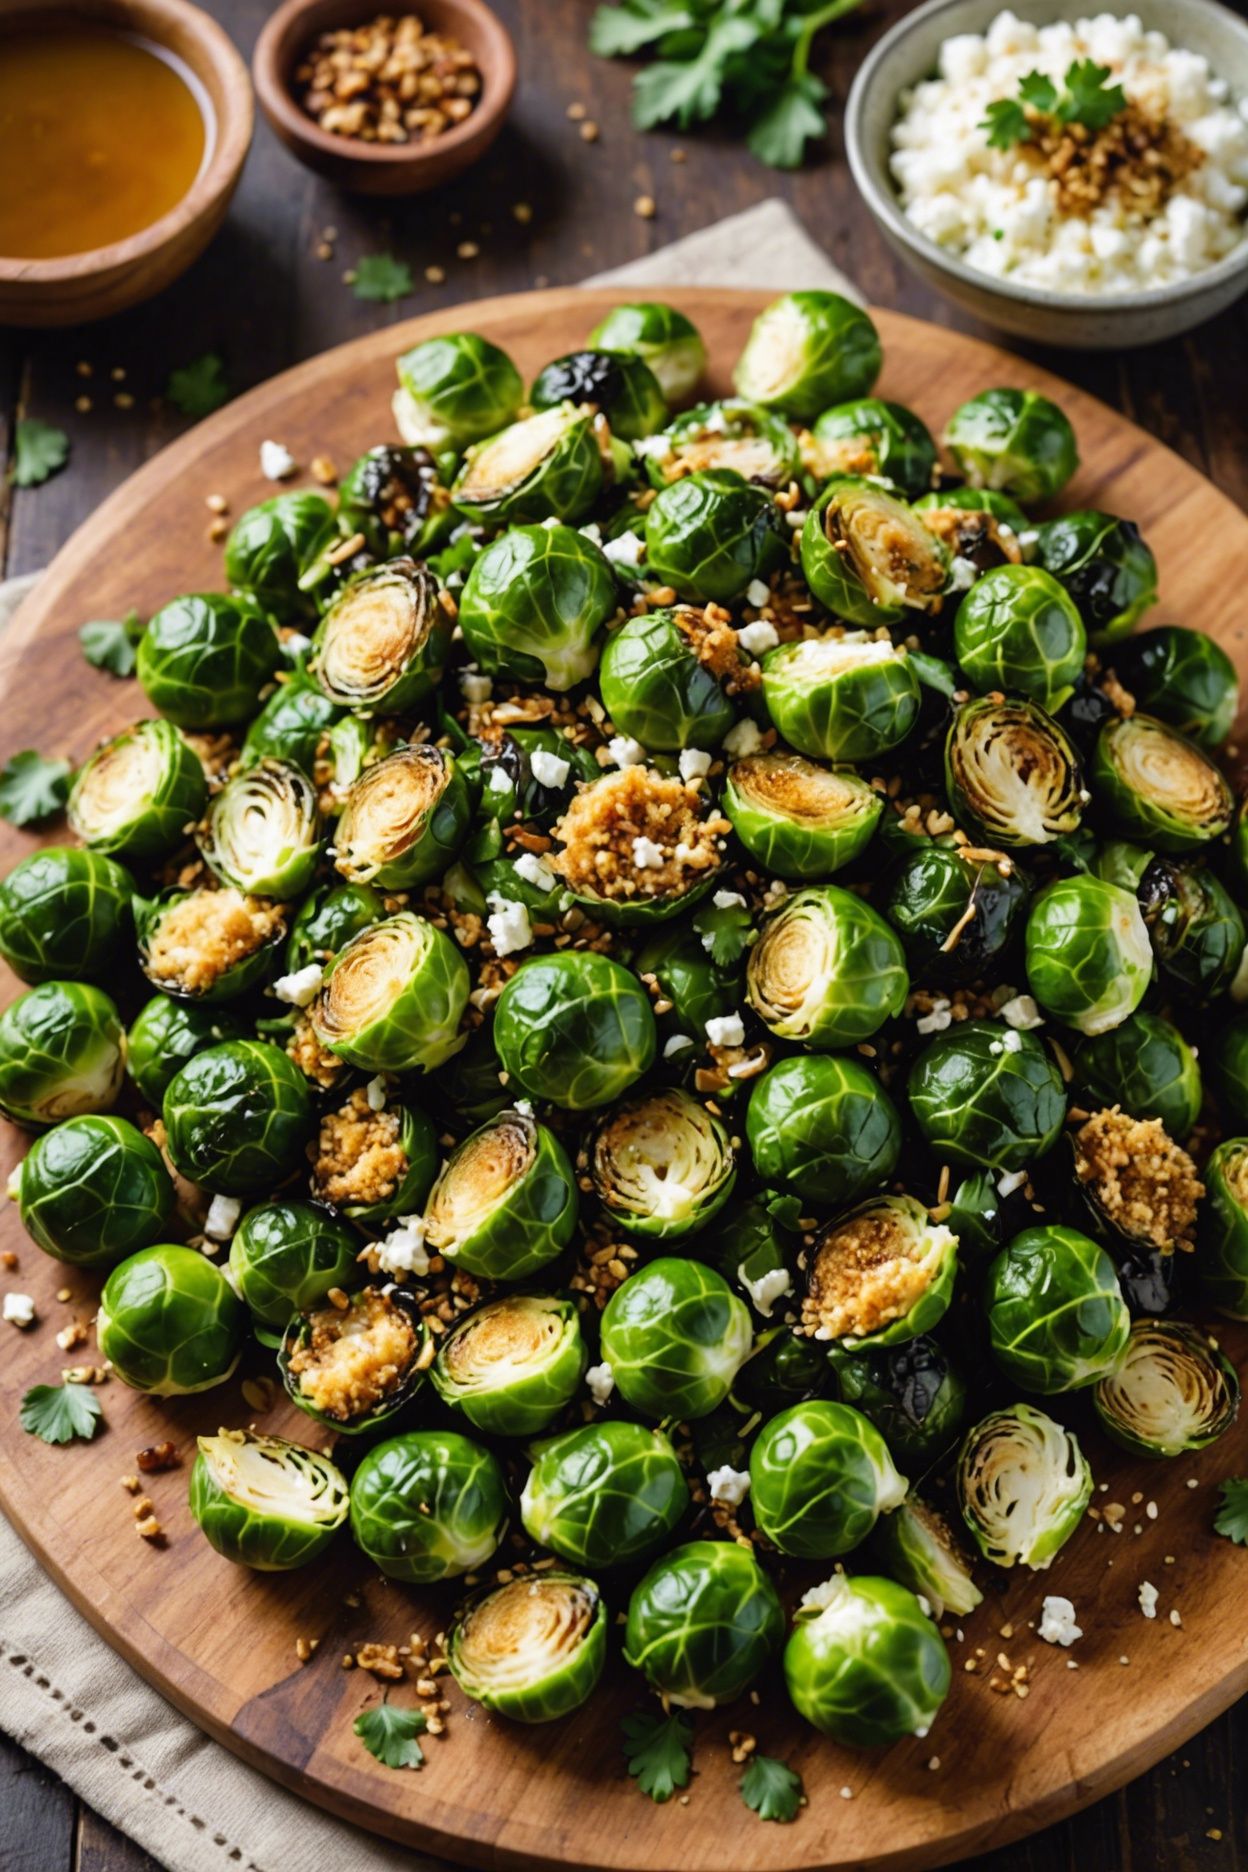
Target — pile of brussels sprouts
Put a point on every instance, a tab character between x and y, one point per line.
694	960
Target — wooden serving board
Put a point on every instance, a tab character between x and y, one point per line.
220	1643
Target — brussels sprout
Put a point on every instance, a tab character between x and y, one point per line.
62	1052
662	1165
532	1649
1223	1259
236	1117
428	1506
1156	786
169	1322
871	437
975	1217
467	1086
545	464
1226	1064
1023	1484
985	1094
272	546
867	555
956	916
297	724
675	1335
667	678
865	1664
262	831
393	497
1017	629
534	603
374	1160
975	525
1015	442
711	534
512	1365
606	1495
1056	1316
1137	1183
820	1476
383	642
1183	678
910	1392
204	659
404	819
1171	1392
826	970
1089	959
505	1201
1104	565
729	434
208	944
845	697
355	1367
880	1275
510	788
699	988
165	1033
1146	1066
135	796
618	383
798	819
1194	924
807	350
93	1190
285	1257
393	998
667	341
1012	771
781	1370
575	1028
822	1129
454	390
328	919
64	914
702	1624
266	1503
917	1546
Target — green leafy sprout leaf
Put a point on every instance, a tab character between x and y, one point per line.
659	1752
620	31
1039	92
38	451
199	388
1231	1519
32	789
725	932
1089	98
1086	98
382	277
60	1413
772	1789
111	643
389	1734
1005	123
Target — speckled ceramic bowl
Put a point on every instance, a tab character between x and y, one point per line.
1102	321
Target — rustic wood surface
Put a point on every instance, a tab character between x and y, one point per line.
263	299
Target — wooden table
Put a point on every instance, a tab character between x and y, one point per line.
263	299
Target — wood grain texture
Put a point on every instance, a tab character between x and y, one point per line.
221	1643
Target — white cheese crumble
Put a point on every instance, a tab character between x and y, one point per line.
728	900
1012	1042
375	1093
222	1218
819	1598
677	1043
758	593
508	924
625	751
19	1309
529	866
726	1030
626	549
549	770
742	739
13	1188
962	574
1057	1621
592	532
1021	1011
647	856
276	461
1148	1599
940	1017
694	763
1011	1181
767	1288
403	1250
759	637
300	986
601	1382
728	1485
475	687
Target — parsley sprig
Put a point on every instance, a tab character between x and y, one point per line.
1231	1519
772	1789
389	1734
659	1752
33	789
1086	98
60	1413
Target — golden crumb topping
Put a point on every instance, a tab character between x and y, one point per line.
354	1356
198	939
711	635
637	834
359	1156
314	1061
1138	156
1142	1181
869	1269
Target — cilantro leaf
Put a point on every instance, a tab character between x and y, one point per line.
390	1735
786	1211
658	1750
199	388
1039	92
725	932
59	1413
1089	99
38	451
790	121
771	1788
32	789
1005	122
110	643
690	90
619	31
382	277
1232	1516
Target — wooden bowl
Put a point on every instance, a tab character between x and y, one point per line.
384	168
82	286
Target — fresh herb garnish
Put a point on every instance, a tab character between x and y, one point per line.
390	1735
1087	98
382	277
60	1413
725	932
772	1789
32	789
38	451
110	643
199	388
1231	1519
659	1752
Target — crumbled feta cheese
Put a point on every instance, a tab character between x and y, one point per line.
676	1043
767	1288
728	900
529	866
827	1592
1012	1042
499	780
647	856
1011	1181
742	739
276	461
591	531
13	1188
524	1106
549	770
19	1309
301	986
694	763
940	1017
626	549
625	751
1021	1011
1057	1621
962	574
758	593
728	1485
295	643
1148	1599
726	1030
474	686
601	1382
222	1218
759	637
508	924
550	523
375	1093
403	1250
651	445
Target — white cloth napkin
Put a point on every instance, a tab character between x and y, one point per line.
64	1694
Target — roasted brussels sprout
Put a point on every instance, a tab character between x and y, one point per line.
606	1495
393	497
62	1053
699	988
618	383
1194	924
1015	442
865	1664
1156	786
702	1624
1172	1391
1223	1257
711	534
983	1093
534	604
454	390
675	1335
975	1217
404	819
667	678
511	1365
165	1033
1056	1316
1105	566
1226	1067
975	525
917	1546
208	944
271	547
880	1275
135	796
820	1476
1146	1066
505	1201
668	342
355	1367
545	464
871	437
1138	1184
1023	1486
1089	959
169	1322
662	1164
428	1506
575	1028
266	1503
845	697
1184	678
327	920
300	725
868	556
64	914
262	831
796	818
383	642
374	1159
393	997
1017	629
807	350
827	970
532	1649
822	1129
236	1117
285	1257
204	659
93	1190
911	1393
729	434
1013	772
956	916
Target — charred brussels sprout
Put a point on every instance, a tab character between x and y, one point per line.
1015	442
64	914
1146	1066
1017	629
606	1495
871	437
1223	1241
865	1664
262	831
393	998
204	659
983	1093
545	464
822	1129
1023	1486
1139	1186
1056	1316
513	1364
807	350
534	603
711	534
928	903
910	1392
880	1275
663	337
383	642
94	1190
62	1053
505	1201
1171	1392
375	1160
454	390
619	383
918	1547
845	698
169	1322
404	819
662	1165
729	434
1155	785
237	1117
820	1476
135	796
531	1649
285	1257
272	546
1184	679
1104	565
867	555
428	1506
1089	959
208	944
300	725
798	819
826	970
1195	926
575	1028
675	1336
975	525
703	1623
392	496
355	1367
328	919
166	1033
665	679
266	1503
1012	771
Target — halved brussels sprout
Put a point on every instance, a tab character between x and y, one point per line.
911	1393
383	642
728	434
169	1322
1012	771
1194	924
576	1028
140	794
1171	1392
1146	1066
796	818
355	1367
618	383
208	944
236	1117
1184	678
880	1275
826	970
872	437
285	1257
1014	441
675	1336
1089	958
1139	1184
532	1649
820	1477
667	340
264	1502
393	998
549	463
867	555
865	1664
327	920
204	659
702	1624
273	545
512	1365
1056	1316
404	819
843	696
94	1190
668	679
822	1129
917	1546
64	914
638	846
394	498
1105	566
662	1165
62	1052
1223	1261
984	1093
975	525
1023	1485
428	1506
262	832
504	1203
454	390
711	534
534	603
165	1033
1156	786
1017	629
807	350
374	1160
606	1495
956	916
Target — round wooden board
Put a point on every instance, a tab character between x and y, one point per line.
220	1643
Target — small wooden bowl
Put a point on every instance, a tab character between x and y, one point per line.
83	286
384	168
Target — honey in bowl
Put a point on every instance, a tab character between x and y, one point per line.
100	135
